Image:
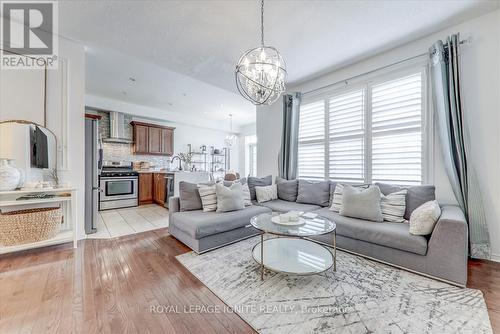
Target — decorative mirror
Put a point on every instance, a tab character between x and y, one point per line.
28	156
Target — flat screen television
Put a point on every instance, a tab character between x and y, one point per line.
39	148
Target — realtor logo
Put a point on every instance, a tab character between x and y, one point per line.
28	34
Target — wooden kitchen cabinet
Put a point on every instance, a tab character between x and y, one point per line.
141	139
152	188
153	139
159	188
145	188
167	141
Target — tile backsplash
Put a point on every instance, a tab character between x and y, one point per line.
123	152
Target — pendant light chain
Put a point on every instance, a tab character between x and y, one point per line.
262	22
261	72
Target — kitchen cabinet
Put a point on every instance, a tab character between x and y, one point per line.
152	188
145	188
153	139
159	188
167	141
141	139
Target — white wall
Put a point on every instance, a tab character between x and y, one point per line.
184	134
65	112
480	72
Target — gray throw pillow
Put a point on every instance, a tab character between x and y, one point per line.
257	181
189	197
287	189
317	193
229	198
416	196
361	203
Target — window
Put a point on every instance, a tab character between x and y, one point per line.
251	155
369	133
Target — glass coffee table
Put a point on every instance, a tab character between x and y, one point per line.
289	252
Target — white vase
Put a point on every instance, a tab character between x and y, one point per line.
10	176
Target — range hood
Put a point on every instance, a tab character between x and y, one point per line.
117	129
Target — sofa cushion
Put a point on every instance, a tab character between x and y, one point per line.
199	224
416	196
361	203
280	205
258	181
189	197
229	198
317	193
394	235
287	189
267	193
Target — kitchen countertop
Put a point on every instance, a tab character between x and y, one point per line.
160	171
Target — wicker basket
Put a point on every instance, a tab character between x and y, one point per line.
31	225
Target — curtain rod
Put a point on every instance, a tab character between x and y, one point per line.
465	41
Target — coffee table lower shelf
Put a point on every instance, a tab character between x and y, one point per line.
295	256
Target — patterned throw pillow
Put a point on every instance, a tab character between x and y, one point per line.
246	195
208	198
394	206
337	196
266	194
424	218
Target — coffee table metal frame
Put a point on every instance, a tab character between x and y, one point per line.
304	237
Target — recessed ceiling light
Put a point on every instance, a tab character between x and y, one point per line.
170	104
124	92
131	79
184	94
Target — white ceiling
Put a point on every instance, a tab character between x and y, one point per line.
203	40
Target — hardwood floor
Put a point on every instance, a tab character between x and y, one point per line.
134	284
108	286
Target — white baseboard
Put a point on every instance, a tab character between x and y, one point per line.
495	257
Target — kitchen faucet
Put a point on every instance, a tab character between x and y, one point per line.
176	157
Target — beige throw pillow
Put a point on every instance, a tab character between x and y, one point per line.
424	218
208	198
246	195
266	194
394	206
361	203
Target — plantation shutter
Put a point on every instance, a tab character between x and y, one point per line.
346	134
397	131
311	164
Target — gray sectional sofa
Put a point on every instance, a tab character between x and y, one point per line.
442	255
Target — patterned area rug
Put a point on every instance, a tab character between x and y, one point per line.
363	296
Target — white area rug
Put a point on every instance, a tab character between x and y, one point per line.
363	296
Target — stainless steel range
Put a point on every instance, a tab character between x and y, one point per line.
119	185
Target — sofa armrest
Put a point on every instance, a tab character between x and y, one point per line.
173	206
448	246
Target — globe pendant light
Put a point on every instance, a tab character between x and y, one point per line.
261	72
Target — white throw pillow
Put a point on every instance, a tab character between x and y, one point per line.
229	198
208	198
424	218
246	195
337	196
267	193
394	206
